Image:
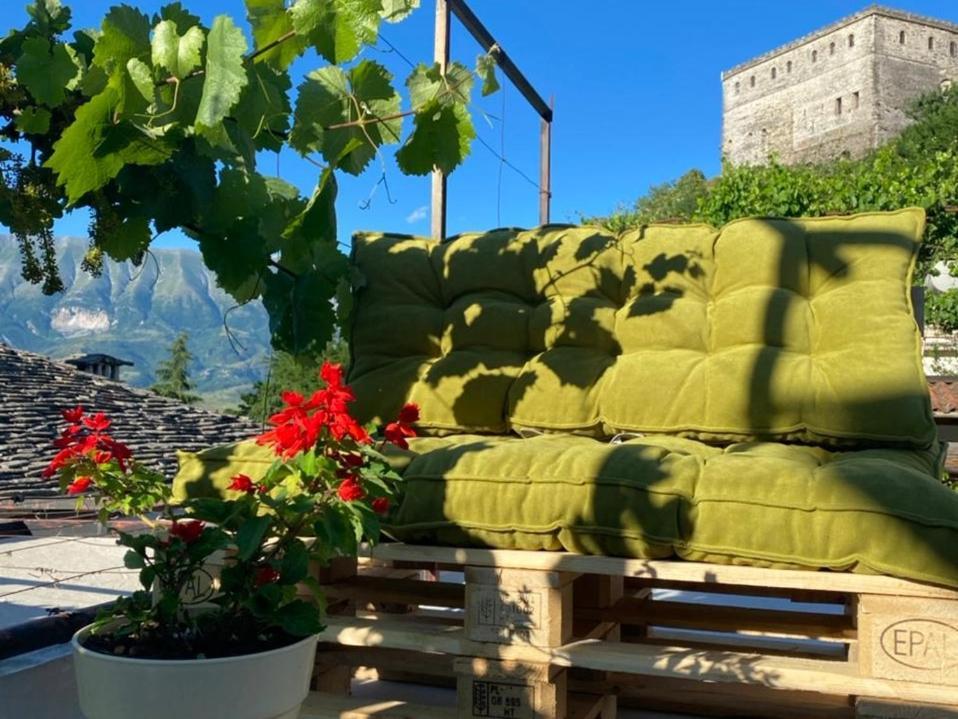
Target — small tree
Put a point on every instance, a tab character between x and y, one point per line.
288	372
172	375
675	201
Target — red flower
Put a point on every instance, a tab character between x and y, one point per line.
242	483
79	485
264	575
101	456
292	399
409	413
380	505
396	433
350	491
73	416
98	422
189	530
331	373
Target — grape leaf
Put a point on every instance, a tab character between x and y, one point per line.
270	22
175	12
332	97
264	109
33	121
239	194
238	257
129	239
427	83
441	139
92	150
142	78
46	71
49	17
486	70
225	74
301	317
125	33
178	54
337	28
396	10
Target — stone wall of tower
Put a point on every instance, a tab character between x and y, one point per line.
840	91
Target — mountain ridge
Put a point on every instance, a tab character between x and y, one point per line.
135	313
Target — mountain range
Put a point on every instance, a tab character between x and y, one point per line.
135	313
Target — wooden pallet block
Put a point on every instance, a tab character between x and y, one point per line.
856	642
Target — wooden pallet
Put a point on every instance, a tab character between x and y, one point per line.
554	635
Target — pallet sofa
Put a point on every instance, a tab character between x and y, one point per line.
614	425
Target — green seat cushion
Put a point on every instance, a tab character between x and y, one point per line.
756	503
796	330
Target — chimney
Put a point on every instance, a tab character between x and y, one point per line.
102	365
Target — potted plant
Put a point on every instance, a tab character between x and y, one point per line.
246	650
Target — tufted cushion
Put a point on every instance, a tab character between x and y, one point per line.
796	330
761	504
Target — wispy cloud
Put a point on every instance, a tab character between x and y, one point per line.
417	215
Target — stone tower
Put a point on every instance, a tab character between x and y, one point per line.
841	89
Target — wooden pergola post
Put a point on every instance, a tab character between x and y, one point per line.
441	56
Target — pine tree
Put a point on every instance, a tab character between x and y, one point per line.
172	375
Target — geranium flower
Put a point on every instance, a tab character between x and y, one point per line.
350	491
79	485
188	530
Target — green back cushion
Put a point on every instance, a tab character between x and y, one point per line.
797	330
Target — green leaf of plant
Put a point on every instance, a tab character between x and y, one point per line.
270	21
239	194
142	78
178	14
33	121
49	17
441	140
301	316
264	109
299	618
238	258
337	28
46	71
147	576
396	10
486	70
125	33
295	563
128	240
429	84
178	55
132	560
250	536
225	73
331	97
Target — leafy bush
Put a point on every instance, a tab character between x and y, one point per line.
941	310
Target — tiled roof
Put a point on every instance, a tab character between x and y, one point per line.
33	391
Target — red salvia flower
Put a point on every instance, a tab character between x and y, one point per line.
188	530
397	432
79	485
380	505
243	483
101	456
350	491
409	414
98	422
73	416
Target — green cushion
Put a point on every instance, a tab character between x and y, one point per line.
208	473
796	330
763	504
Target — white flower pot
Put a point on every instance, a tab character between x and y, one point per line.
267	685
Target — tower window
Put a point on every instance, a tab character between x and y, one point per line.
838	106
814	55
931	43
831	48
751	81
901	38
774	72
788	65
738	86
851	40
953	49
856	100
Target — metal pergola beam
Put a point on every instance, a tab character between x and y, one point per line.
545	110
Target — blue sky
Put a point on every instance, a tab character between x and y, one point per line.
637	93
